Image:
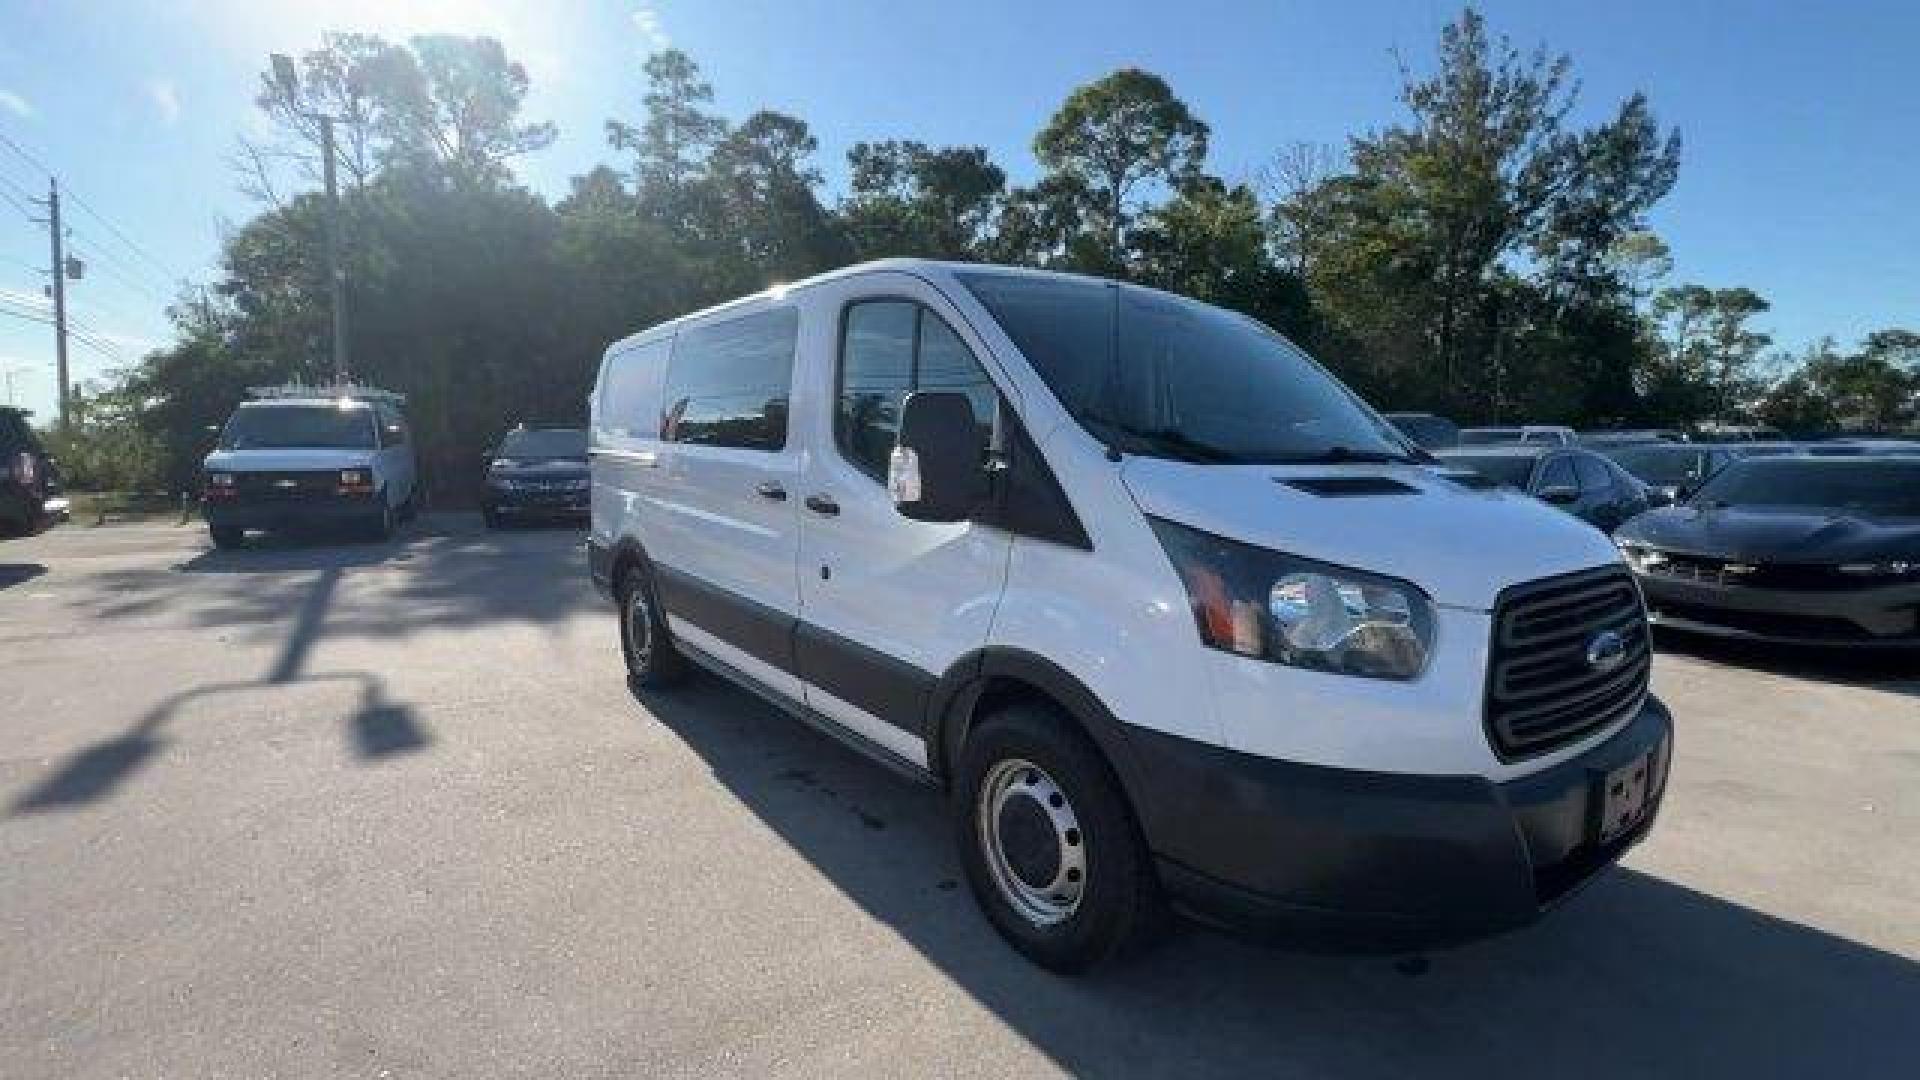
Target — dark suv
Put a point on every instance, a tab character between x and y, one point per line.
29	485
536	472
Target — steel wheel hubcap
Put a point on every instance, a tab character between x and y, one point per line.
1032	840
639	630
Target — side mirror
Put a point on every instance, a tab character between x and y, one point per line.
935	473
1560	494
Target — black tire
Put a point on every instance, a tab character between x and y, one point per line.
380	529
652	663
1119	907
227	536
491	518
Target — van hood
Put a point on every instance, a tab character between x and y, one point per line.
288	459
1462	544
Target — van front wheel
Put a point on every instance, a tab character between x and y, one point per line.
1049	845
652	661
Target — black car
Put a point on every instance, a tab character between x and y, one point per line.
30	497
536	472
1673	470
1806	550
1578	481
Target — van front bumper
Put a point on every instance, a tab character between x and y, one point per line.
338	512
1319	856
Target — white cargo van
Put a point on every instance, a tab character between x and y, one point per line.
302	457
1172	615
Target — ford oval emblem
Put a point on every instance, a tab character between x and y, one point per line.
1606	650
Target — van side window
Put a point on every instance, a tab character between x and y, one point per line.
888	349
630	391
728	383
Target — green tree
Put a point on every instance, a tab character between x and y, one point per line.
1114	135
1706	337
671	145
762	205
908	199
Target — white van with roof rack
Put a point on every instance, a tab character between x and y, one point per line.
305	457
1172	615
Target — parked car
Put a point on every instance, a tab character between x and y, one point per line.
1806	550
1740	433
1579	481
30	496
1763	449
1543	434
1673	470
1859	447
1167	610
304	458
536	472
1630	436
1428	431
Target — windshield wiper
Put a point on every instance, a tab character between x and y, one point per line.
1340	455
1172	442
1179	442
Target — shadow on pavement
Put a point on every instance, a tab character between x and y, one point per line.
380	726
448	571
1892	671
1636	976
12	574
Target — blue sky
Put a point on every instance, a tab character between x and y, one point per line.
1800	176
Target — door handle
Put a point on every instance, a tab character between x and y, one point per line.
823	504
771	490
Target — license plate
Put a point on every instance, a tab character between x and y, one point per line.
1623	797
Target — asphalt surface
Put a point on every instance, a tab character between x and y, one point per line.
388	810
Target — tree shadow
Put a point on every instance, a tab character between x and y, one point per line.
12	574
1636	976
380	726
1891	671
451	572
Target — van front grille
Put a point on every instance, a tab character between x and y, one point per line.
1551	679
288	486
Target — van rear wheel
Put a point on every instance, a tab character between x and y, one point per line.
1049	844
652	661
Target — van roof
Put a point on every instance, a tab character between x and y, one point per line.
307	402
919	267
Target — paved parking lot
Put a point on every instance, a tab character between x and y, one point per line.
387	810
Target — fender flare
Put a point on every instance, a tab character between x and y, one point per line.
950	709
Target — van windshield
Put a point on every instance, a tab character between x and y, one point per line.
318	426
1155	374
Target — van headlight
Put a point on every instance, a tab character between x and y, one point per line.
1276	607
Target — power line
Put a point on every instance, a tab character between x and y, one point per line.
25	210
166	271
19	188
90	340
117	269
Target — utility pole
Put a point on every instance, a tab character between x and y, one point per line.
59	296
335	272
288	80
